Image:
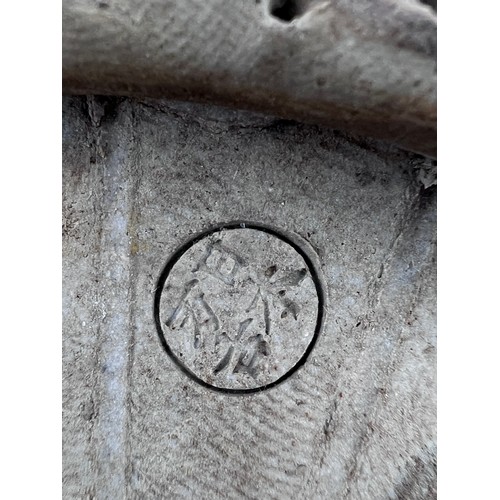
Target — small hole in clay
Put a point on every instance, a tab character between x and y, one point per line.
320	82
270	271
286	10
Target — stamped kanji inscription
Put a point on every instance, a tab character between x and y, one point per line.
239	307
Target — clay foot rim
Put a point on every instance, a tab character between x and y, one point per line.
239	307
365	67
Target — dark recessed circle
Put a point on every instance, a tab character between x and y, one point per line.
239	307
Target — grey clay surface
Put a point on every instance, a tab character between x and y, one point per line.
356	421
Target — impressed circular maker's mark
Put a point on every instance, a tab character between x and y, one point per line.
238	308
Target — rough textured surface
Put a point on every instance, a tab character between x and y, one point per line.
367	66
356	421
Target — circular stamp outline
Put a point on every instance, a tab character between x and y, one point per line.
293	241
